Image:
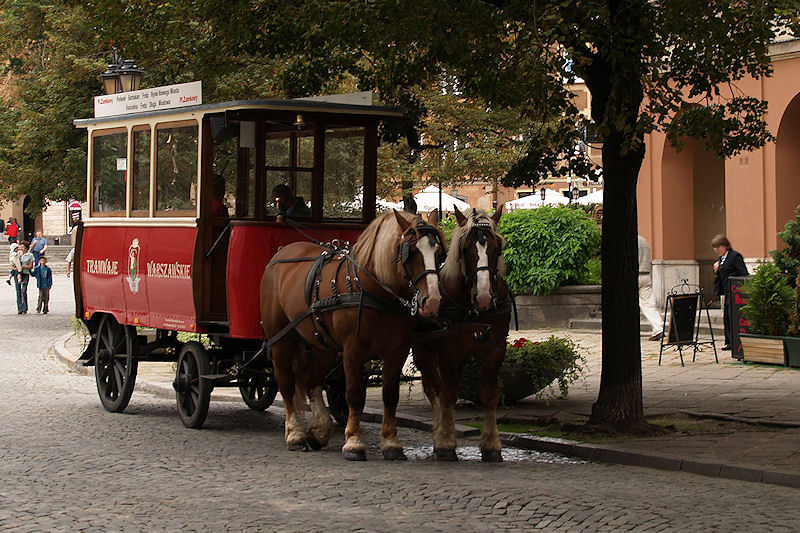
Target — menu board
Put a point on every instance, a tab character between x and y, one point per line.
739	323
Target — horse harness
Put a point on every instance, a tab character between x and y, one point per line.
356	295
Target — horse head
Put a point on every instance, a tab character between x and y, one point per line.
479	248
420	252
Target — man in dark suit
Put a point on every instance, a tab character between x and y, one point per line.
730	263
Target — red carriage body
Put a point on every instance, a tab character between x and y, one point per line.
182	222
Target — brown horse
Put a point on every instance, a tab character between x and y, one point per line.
356	304
476	309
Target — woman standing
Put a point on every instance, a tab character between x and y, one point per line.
730	263
26	262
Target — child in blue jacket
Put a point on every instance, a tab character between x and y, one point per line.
44	280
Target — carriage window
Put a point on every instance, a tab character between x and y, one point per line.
344	173
109	172
223	202
140	172
278	151
289	162
176	170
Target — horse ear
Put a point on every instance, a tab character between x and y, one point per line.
402	222
460	218
498	214
433	218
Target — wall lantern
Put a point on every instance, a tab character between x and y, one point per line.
543	194
121	76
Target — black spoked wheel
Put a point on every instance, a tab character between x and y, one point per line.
192	392
114	364
258	388
337	402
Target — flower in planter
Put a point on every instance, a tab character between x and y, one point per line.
528	368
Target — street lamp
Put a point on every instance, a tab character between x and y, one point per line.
543	194
121	76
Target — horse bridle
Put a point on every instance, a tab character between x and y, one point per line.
421	229
481	227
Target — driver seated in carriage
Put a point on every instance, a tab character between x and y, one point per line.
288	205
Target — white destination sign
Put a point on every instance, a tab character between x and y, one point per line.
145	100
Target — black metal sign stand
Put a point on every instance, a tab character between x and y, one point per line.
684	308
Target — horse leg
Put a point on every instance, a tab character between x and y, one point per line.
319	430
282	360
390	444
425	360
445	438
354	448
490	395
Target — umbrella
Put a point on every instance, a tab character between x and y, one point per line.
532	201
428	199
595	197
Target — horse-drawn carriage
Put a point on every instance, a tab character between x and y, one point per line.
209	219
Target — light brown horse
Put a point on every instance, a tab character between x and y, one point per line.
360	305
476	309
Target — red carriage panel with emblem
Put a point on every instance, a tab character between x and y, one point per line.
250	250
142	275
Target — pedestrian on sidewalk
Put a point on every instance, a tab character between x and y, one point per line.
44	281
730	263
12	230
14	260
26	262
70	258
647	303
38	247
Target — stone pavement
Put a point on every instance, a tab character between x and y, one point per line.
744	419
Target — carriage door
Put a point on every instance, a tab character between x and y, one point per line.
228	192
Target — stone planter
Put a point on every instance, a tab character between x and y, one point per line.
763	349
792	346
557	309
515	384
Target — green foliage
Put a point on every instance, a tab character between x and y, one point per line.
769	302
556	359
788	259
547	247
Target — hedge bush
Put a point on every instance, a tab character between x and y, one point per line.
548	247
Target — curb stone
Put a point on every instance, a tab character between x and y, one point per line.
659	462
601	453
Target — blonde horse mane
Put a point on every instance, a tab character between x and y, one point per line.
376	249
453	267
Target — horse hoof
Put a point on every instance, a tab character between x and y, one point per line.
445	455
315	443
355	455
297	447
491	456
394	454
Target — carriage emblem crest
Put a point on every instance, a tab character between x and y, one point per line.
133	266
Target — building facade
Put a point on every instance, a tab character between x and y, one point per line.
687	196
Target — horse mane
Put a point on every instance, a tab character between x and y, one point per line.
453	267
376	248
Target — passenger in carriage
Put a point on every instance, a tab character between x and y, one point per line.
287	204
218	207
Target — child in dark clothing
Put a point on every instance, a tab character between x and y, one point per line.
44	280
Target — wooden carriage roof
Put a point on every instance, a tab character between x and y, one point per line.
292	106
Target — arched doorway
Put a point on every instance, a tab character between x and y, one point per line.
693	207
787	163
709	211
28	222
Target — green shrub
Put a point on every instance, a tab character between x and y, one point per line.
548	247
788	259
769	301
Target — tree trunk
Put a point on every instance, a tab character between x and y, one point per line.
619	403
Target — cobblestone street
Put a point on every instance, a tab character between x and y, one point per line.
68	465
